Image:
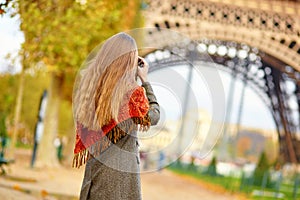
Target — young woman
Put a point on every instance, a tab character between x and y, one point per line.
109	107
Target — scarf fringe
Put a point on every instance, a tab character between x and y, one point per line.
113	136
144	122
80	158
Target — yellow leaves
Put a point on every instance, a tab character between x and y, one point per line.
52	68
62	33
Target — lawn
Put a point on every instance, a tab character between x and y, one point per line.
236	185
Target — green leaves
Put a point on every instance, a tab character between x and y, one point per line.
62	33
8	93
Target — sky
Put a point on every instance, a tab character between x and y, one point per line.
10	41
171	98
170	85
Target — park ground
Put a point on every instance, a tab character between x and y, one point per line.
22	182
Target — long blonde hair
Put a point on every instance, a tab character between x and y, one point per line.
101	86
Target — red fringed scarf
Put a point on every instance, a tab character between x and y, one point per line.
133	111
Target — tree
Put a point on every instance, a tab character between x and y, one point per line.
212	168
60	34
262	170
8	85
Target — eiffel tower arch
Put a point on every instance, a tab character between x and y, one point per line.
265	36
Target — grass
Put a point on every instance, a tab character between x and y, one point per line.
233	184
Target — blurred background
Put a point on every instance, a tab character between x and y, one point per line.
253	47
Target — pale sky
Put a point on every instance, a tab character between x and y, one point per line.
254	114
10	40
169	85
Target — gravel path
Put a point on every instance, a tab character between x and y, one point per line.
9	194
167	185
44	183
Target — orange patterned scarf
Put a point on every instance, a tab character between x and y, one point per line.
133	111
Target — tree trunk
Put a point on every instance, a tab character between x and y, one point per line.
47	152
11	151
69	147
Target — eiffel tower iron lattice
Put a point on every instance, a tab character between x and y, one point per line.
260	42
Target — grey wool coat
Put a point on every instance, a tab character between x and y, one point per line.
115	174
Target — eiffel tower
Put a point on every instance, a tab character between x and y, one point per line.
267	31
